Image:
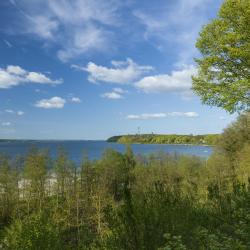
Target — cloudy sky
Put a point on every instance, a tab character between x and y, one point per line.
90	69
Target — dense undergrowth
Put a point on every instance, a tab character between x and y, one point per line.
123	201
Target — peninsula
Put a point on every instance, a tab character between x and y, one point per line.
207	139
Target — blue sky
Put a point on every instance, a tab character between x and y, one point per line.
90	69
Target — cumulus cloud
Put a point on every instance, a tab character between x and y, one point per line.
116	93
15	70
128	72
52	103
176	81
122	72
15	75
76	99
41	78
148	116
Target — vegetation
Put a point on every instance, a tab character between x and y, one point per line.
224	77
123	201
210	139
155	202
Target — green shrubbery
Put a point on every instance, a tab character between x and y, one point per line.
123	201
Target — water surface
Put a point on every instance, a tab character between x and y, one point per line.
95	149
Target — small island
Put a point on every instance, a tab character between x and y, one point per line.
207	139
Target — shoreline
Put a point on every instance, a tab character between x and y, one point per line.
114	142
176	144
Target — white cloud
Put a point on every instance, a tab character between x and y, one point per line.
76	99
43	26
15	70
184	114
6	124
178	81
116	93
112	95
154	25
20	113
120	90
148	116
9	45
41	78
77	27
15	75
52	103
8	80
78	11
123	72
176	25
10	111
85	39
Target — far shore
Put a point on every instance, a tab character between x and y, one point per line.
176	144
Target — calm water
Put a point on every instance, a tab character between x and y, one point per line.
95	149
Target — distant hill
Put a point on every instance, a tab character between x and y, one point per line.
207	139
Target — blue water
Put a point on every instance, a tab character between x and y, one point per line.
95	149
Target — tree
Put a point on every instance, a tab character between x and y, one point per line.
38	232
7	188
35	173
235	137
223	77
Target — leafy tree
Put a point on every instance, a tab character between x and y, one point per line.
7	190
223	79
35	171
37	233
123	201
234	138
63	171
243	170
173	243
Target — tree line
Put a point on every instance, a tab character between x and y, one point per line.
209	139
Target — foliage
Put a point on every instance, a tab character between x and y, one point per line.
173	243
36	232
223	79
209	139
126	201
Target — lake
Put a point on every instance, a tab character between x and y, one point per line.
95	149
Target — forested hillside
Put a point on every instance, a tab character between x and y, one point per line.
210	139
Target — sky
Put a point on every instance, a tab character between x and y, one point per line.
91	69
